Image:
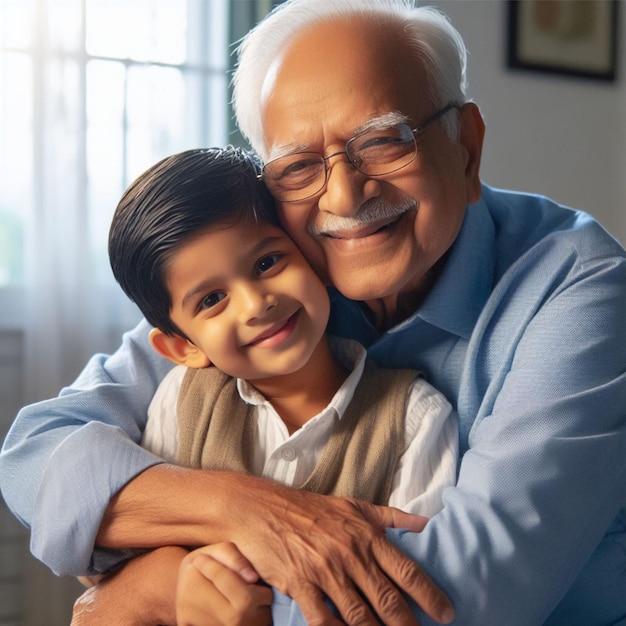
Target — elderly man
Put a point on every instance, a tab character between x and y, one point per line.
510	304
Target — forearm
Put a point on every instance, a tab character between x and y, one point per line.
143	593
170	505
297	541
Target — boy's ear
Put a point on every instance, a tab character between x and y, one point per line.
178	349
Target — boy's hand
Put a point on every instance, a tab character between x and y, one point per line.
217	586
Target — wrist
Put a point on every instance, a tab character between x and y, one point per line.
170	505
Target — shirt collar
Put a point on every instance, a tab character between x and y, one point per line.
461	291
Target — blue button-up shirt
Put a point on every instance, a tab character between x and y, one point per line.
524	331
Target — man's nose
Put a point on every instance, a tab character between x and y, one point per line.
346	188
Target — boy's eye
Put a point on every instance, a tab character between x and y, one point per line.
267	262
212	299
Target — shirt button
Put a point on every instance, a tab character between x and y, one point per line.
288	454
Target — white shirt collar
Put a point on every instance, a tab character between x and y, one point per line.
348	352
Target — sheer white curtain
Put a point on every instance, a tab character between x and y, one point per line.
70	310
93	92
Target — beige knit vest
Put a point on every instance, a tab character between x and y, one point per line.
217	429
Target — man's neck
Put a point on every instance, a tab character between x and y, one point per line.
299	396
389	311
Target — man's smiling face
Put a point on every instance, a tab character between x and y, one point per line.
330	82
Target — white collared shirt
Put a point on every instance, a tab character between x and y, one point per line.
427	466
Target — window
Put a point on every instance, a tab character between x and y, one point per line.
93	92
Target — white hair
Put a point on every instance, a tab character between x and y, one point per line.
436	43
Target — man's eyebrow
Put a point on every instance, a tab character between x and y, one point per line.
380	122
286	149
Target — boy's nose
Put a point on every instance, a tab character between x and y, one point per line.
255	304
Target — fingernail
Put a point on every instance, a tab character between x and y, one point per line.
248	574
448	615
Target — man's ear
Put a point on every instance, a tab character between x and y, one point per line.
472	133
178	349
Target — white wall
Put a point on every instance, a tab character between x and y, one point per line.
560	136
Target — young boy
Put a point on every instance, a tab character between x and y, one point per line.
196	243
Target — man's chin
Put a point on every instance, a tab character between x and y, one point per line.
359	285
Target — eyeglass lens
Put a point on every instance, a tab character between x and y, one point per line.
376	152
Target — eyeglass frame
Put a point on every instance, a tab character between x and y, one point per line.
418	130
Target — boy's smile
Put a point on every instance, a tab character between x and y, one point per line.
277	333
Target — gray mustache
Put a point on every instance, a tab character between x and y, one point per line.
372	211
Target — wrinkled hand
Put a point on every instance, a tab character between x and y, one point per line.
216	587
310	546
306	545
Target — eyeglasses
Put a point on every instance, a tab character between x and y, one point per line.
373	153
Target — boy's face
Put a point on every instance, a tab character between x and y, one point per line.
247	299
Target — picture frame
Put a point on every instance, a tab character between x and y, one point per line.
570	37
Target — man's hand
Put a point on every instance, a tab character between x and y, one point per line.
142	593
310	546
306	545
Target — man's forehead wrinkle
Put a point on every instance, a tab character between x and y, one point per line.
300	111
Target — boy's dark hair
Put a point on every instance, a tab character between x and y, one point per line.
171	202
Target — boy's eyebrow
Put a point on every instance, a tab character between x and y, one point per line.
193	293
267	241
205	284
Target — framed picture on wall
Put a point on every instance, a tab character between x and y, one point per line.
575	37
